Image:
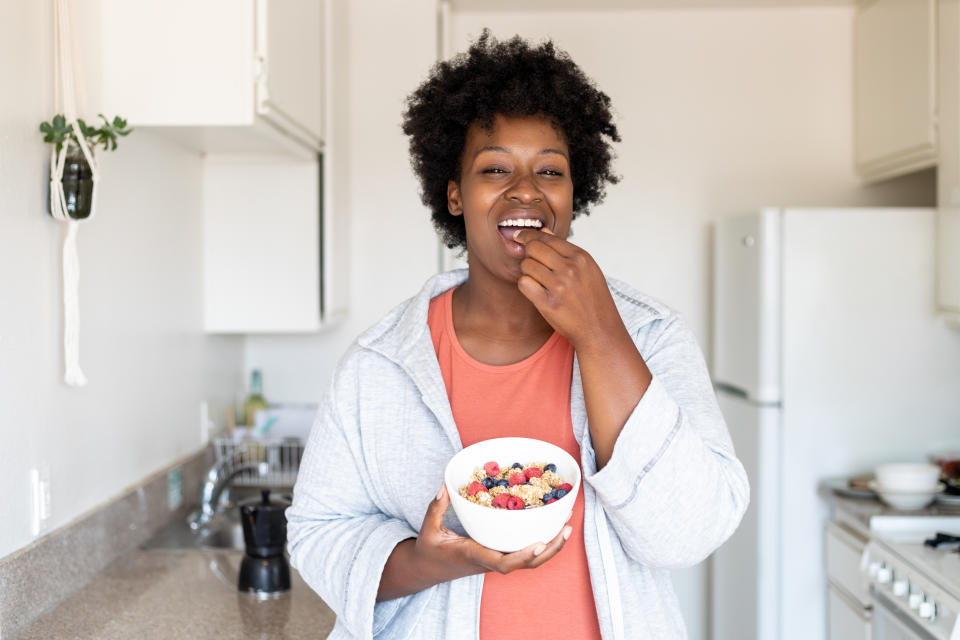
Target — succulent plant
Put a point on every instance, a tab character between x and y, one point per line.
58	132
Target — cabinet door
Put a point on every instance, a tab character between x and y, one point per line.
847	621
895	88
948	169
261	241
291	41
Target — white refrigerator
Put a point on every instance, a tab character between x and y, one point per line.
829	358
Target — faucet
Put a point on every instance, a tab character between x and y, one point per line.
219	478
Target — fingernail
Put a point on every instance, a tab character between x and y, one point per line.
547	230
440	493
539	549
516	233
566	533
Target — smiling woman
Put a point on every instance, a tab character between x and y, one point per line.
510	143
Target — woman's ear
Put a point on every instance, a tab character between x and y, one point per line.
454	199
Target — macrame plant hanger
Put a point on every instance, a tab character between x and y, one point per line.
65	102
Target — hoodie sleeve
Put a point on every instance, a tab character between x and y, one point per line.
673	488
338	539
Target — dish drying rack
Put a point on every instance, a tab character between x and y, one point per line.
282	458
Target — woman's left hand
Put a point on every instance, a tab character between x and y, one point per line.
566	285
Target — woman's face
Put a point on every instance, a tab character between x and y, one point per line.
516	174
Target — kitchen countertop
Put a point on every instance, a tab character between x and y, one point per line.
190	594
862	510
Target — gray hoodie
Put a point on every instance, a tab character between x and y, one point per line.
671	493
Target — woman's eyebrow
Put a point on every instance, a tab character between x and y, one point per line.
506	150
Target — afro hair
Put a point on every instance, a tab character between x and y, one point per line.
512	78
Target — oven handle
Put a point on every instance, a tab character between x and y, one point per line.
884	606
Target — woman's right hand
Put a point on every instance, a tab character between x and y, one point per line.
438	545
439	555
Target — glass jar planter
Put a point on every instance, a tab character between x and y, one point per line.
77	184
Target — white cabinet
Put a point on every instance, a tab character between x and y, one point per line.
845	620
271	247
848	599
948	170
895	87
219	75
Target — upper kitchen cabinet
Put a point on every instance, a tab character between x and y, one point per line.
895	87
948	169
222	76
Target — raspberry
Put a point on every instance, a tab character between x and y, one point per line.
549	501
518	477
491	468
514	503
566	486
474	488
501	501
533	472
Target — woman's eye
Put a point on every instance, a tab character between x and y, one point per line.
552	172
494	170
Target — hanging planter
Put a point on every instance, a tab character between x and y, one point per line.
77	179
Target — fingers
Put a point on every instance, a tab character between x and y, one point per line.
534	555
553	547
533	290
547	237
433	519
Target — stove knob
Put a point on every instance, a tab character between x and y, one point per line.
928	610
901	587
873	568
884	575
915	599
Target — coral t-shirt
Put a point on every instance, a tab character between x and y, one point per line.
529	399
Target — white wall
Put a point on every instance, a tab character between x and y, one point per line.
721	111
141	343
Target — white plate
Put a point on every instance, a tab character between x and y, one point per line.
947	499
841	487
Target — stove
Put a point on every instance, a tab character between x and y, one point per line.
915	588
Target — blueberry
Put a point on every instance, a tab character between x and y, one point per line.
516	465
488	483
549	496
550	467
560	493
503	483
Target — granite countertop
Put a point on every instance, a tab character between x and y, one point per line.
191	594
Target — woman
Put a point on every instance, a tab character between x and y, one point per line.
510	143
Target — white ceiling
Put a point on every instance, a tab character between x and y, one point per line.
479	6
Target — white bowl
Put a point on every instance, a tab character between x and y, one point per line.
502	529
906	500
907	476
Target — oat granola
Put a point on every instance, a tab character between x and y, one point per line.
515	486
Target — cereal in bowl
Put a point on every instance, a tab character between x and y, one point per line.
516	486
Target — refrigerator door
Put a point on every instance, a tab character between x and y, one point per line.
745	571
746	326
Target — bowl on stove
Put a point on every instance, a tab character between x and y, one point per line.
908	477
906	500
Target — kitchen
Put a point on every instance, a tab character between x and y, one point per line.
724	108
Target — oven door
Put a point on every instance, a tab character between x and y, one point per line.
890	623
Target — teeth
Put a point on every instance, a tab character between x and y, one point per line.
521	222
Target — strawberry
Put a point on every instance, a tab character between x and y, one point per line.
533	472
502	500
491	469
475	488
515	503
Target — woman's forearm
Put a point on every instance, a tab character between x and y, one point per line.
407	572
614	377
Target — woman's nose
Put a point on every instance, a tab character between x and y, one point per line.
524	190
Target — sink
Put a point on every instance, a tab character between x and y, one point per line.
225	532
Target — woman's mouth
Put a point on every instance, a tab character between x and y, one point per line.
509	227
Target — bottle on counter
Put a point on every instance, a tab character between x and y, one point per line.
255	401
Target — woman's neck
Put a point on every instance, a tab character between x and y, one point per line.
496	310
